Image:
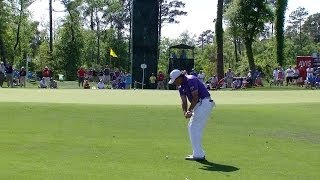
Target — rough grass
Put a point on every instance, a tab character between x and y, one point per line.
78	134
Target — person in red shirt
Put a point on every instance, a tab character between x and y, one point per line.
160	80
46	75
303	72
81	74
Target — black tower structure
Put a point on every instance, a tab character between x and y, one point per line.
144	38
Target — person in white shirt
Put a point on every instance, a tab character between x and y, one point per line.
289	75
296	74
100	85
201	76
275	76
310	72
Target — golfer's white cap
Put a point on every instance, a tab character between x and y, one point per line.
174	75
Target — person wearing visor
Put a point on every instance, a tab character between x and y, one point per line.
201	104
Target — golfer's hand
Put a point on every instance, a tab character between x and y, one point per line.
188	114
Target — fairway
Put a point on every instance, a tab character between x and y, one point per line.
141	134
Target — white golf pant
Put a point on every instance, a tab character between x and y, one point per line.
196	125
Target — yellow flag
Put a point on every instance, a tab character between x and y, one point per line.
112	53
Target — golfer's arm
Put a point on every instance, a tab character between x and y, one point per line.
195	100
184	104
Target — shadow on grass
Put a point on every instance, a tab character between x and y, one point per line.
210	166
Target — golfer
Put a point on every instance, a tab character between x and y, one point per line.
201	105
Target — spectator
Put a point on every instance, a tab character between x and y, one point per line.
302	72
22	77
2	73
275	76
86	84
310	72
300	81
229	77
101	76
214	82
289	75
81	76
46	74
128	80
53	84
194	73
9	74
42	83
281	75
317	81
258	81
296	74
201	76
160	79
317	72
236	84
90	75
244	83
100	85
106	75
152	81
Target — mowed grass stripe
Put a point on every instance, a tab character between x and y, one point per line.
83	141
149	97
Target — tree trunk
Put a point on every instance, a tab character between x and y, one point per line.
159	28
3	53
18	31
91	20
98	37
248	44
219	40
235	49
280	18
50	24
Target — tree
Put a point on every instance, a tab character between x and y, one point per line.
23	5
280	17
296	19
273	5
219	40
4	16
249	17
169	11
312	27
205	38
50	28
71	39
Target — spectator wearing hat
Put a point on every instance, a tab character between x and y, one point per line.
152	81
22	77
229	77
46	75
